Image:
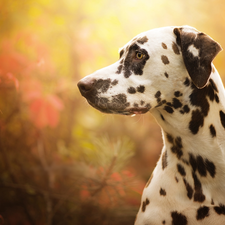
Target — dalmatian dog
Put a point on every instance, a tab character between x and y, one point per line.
169	72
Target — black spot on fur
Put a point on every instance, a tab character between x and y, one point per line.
103	85
141	89
159	100
142	40
220	209
121	53
169	138
148	106
135	105
212	202
177	94
175	48
193	162
168	109
132	65
165	60
187	82
144	204
177	148
213	85
176	145
198	98
163	222
142	102
182	111
201	166
185	161
202	212
158	94
176	103
119	101
164	45
197	121
162	192
166	74
178	142
164	159
188	188
116	105
115	82
181	169
176	179
198	195
211	94
131	90
222	118
217	98
178	218
210	168
186	109
212	130
162	117
119	69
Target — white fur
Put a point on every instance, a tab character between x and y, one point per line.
194	51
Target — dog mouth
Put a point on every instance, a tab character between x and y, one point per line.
138	110
119	109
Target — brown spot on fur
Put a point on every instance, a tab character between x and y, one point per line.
175	48
165	60
142	40
166	74
164	45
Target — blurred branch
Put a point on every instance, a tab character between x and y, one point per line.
40	191
13	113
106	176
14	178
46	194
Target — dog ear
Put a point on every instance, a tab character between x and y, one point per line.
198	50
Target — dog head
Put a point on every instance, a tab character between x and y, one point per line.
150	67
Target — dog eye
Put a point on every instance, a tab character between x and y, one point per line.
139	55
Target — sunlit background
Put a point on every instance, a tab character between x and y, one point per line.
61	161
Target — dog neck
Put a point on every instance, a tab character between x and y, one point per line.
195	113
194	142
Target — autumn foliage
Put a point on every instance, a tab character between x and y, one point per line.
61	161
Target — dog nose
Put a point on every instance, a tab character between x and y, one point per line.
86	85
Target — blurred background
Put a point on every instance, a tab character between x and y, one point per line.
61	161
